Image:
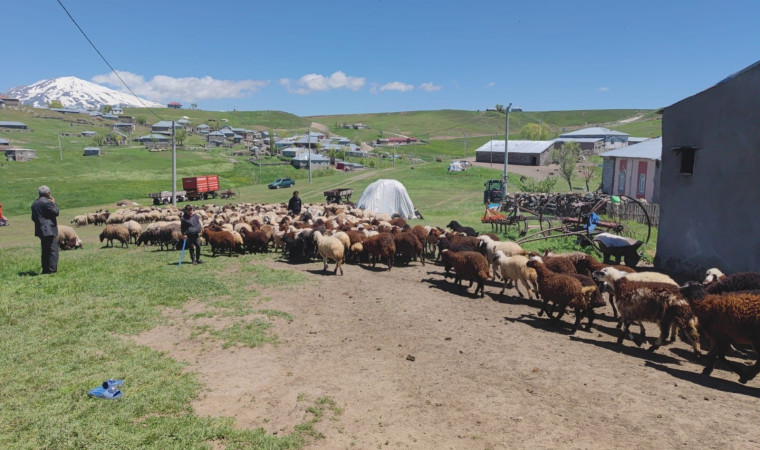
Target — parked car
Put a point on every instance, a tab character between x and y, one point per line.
282	182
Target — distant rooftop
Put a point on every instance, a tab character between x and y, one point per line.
651	149
593	132
516	146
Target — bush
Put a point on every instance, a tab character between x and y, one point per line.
532	185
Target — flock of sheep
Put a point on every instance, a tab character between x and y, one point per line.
725	308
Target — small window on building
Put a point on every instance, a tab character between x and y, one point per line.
621	181
642	183
687	159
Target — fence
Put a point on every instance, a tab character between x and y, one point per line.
632	211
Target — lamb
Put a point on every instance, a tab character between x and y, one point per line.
729	318
118	232
380	246
454	225
67	238
330	247
587	265
515	268
488	247
432	238
219	240
134	229
562	290
653	302
470	266
718	283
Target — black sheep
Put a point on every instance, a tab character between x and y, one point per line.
454	225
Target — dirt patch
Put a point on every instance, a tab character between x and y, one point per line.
415	362
537	172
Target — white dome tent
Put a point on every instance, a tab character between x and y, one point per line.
387	196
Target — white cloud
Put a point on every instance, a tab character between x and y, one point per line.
604	89
396	86
315	82
430	87
491	84
163	87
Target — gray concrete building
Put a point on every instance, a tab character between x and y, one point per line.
708	188
524	153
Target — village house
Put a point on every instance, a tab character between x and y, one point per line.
4	142
525	153
10	102
20	154
12	125
124	127
612	139
317	161
633	170
91	151
174	105
203	128
117	110
165	127
708	192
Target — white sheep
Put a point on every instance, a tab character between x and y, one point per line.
509	248
515	268
330	247
67	238
80	221
134	229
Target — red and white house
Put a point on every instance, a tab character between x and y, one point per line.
633	170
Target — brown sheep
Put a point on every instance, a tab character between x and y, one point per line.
118	232
562	290
729	318
470	266
408	247
557	264
255	241
219	240
652	302
380	247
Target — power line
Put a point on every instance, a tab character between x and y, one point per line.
106	61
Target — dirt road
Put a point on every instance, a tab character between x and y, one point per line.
417	363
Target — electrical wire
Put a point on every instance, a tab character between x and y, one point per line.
106	61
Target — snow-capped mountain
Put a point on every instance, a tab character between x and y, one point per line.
75	92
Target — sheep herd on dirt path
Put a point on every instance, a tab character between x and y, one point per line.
723	308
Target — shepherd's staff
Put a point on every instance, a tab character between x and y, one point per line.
184	241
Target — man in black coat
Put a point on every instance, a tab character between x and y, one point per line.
190	226
44	213
294	204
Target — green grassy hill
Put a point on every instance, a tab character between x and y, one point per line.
448	124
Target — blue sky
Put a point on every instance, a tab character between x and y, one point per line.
332	57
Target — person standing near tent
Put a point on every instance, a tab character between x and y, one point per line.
44	213
294	205
190	226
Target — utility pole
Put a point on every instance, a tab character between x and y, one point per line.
464	153
506	147
174	168
308	145
60	150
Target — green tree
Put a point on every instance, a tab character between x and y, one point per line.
528	184
536	132
566	157
99	139
588	168
194	105
141	120
180	135
55	104
499	108
107	109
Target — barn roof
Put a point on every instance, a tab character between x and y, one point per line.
651	149
536	147
593	131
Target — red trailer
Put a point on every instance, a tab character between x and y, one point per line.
202	187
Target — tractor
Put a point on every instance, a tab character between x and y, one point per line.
494	191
